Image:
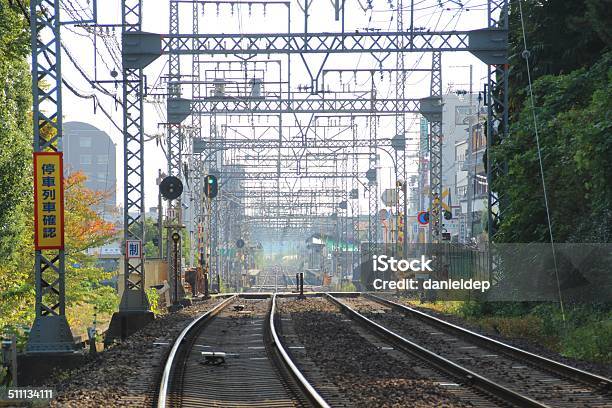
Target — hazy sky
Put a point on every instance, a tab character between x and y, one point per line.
428	14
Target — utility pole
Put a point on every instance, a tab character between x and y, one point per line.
134	307
497	122
160	218
175	159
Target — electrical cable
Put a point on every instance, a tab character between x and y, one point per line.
525	55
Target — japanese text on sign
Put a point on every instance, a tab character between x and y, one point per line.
133	249
48	200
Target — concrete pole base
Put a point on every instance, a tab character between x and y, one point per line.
124	324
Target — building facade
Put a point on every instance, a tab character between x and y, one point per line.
91	151
464	185
463	172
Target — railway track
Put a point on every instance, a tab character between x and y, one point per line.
249	351
513	375
231	356
274	279
351	367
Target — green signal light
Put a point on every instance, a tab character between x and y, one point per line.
211	187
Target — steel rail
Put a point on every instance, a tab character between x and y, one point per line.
540	361
469	377
162	398
308	389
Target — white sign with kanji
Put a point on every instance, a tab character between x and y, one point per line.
133	249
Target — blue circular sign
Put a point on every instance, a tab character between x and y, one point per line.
423	217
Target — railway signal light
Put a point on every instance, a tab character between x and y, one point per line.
211	186
171	188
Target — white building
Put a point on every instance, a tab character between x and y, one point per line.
459	117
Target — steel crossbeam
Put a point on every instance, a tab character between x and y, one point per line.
290	144
142	48
179	109
481	40
285	174
287	194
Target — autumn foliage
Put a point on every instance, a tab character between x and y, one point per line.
84	229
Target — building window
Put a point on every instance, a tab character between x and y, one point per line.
85	159
480	185
461	192
85	141
102	177
461	114
460	154
479	140
102	159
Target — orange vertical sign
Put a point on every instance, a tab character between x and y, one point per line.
48	201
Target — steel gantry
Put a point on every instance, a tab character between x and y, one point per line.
134	298
174	152
292	144
372	177
50	331
488	44
497	124
179	109
196	160
400	133
434	116
479	41
134	306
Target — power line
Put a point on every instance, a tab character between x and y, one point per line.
525	54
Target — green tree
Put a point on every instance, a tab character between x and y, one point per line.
562	36
84	229
15	128
568	44
151	250
573	115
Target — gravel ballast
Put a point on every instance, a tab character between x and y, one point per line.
127	373
365	374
